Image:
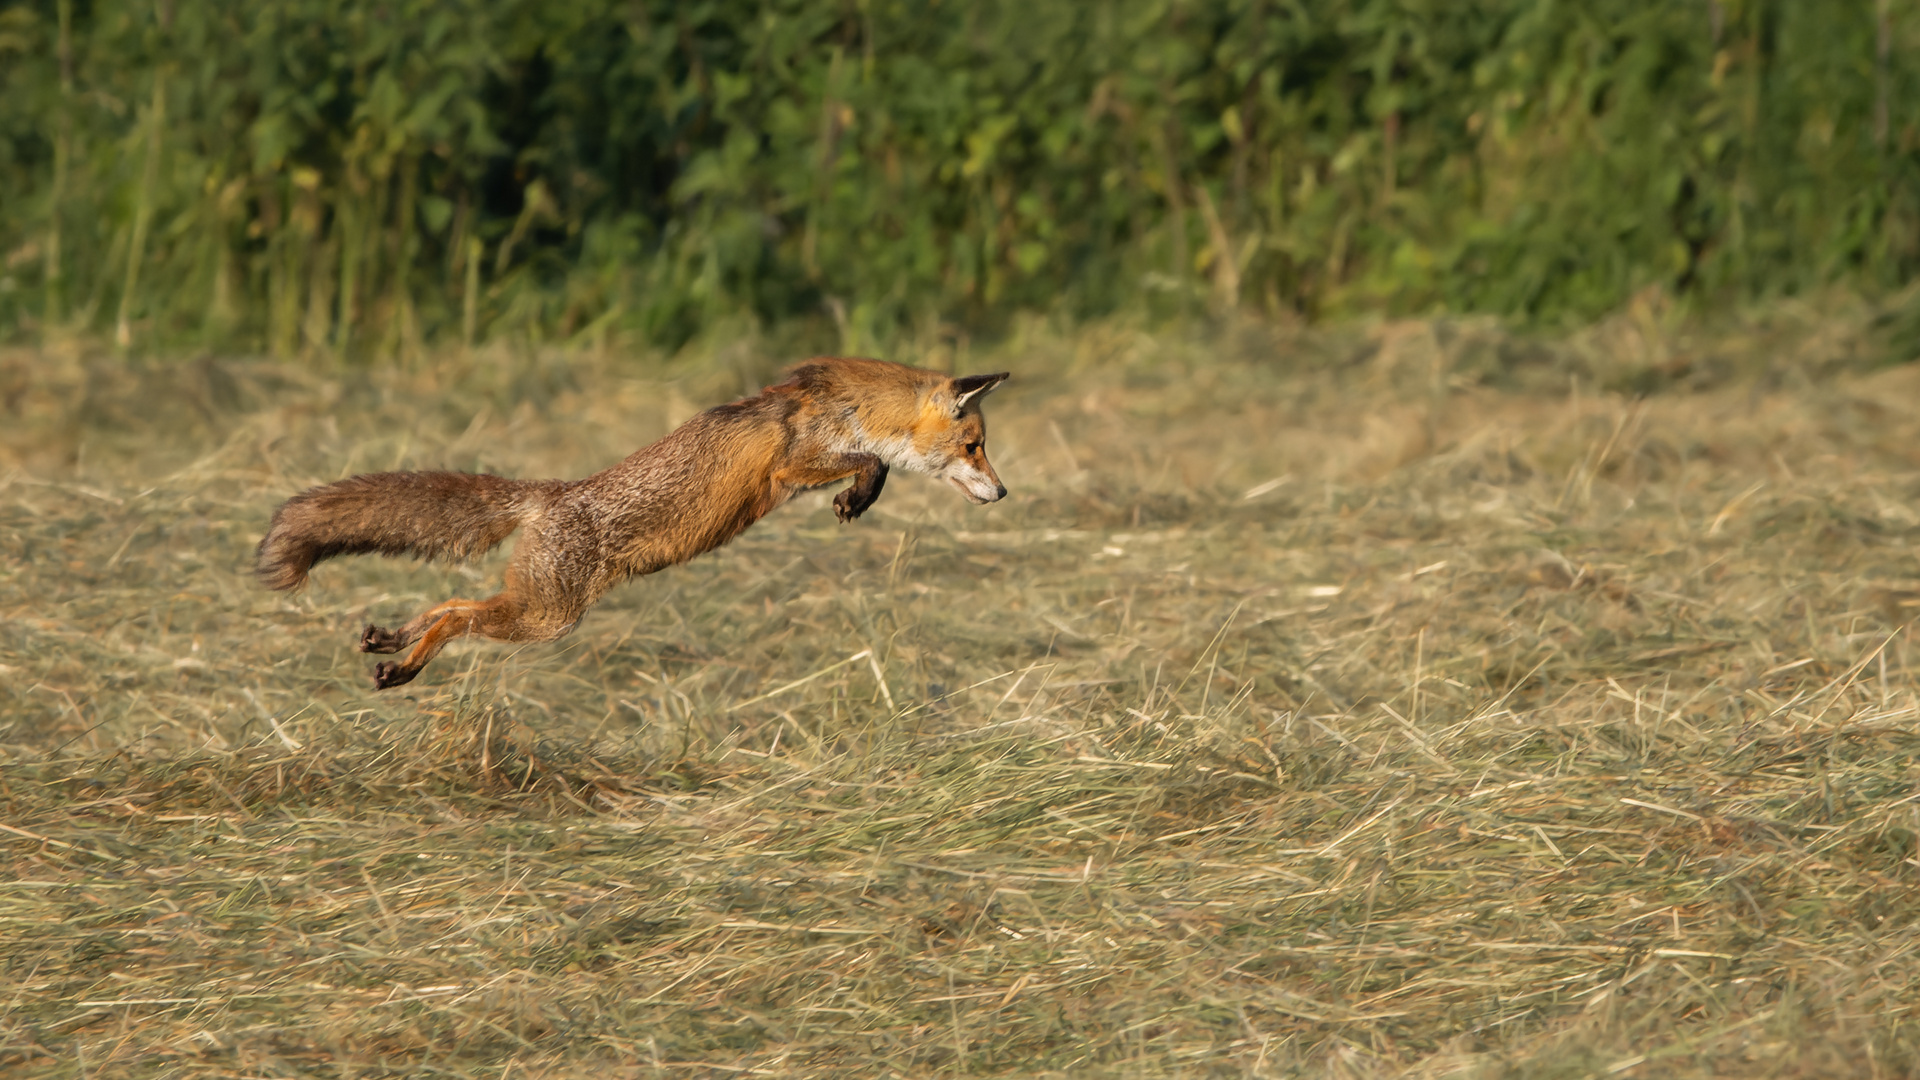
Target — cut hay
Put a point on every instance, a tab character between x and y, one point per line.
1412	701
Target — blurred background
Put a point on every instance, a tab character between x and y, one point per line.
360	179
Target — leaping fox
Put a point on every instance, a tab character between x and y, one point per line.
687	494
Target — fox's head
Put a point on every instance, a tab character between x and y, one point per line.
947	438
961	436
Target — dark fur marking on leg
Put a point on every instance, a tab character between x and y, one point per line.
863	492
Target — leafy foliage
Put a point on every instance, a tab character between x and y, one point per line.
361	176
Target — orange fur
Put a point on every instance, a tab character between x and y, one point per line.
691	492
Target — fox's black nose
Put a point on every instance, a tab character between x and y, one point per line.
999	492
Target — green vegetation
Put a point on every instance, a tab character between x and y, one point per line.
1359	704
355	178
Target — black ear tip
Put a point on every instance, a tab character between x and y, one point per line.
971	384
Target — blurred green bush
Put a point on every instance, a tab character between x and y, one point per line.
357	177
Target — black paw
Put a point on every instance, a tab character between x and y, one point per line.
390	673
374	639
849	505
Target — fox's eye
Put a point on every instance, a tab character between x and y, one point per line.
973	448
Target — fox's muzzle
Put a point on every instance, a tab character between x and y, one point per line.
980	488
979	498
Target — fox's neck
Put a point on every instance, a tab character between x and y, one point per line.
891	444
848	429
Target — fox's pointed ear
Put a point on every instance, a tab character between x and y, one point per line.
967	387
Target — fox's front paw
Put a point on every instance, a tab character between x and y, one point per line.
376	639
845	508
853	502
390	673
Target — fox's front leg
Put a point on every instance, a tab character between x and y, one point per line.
865	489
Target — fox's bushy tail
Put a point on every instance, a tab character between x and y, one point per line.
434	515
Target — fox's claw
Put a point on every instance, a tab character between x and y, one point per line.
376	639
389	673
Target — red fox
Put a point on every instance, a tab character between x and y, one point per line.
687	494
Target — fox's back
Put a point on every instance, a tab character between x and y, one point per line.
693	490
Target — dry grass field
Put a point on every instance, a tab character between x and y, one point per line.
1403	700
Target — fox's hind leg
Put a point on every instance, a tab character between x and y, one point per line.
554	577
502	618
431	631
517	614
378	639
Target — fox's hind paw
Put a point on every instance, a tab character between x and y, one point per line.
375	639
390	673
